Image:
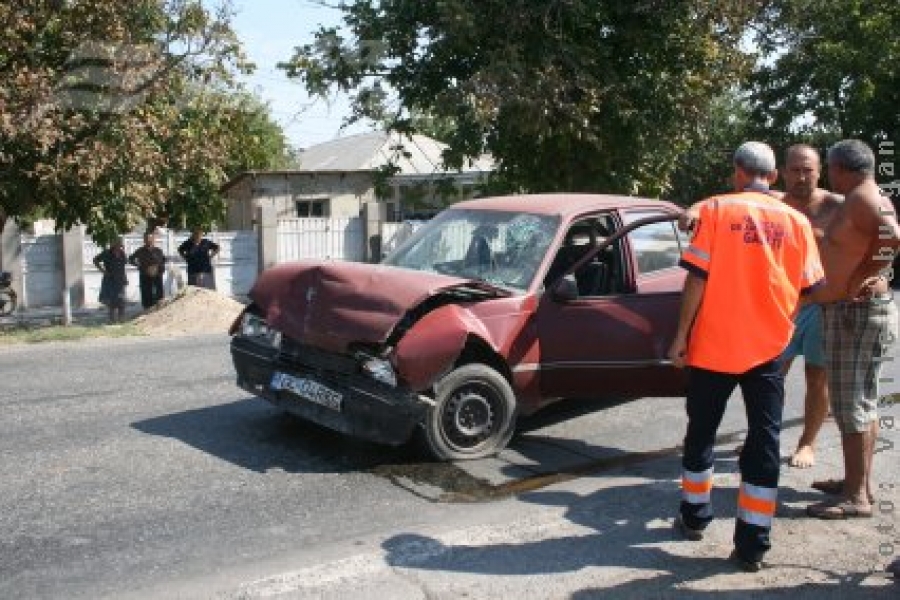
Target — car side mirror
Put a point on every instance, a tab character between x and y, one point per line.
566	289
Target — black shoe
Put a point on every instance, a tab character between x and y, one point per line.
688	533
748	566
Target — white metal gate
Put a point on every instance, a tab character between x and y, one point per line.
340	239
42	279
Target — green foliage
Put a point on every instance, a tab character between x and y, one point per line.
574	95
833	72
117	111
705	168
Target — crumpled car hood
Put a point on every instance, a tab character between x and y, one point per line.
332	304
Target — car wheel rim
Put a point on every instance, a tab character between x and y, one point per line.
470	417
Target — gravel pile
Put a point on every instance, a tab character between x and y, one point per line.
193	310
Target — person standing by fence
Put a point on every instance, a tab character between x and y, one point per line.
111	262
150	262
197	252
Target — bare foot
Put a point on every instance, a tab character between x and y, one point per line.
803	458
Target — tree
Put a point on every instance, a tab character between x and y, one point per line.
705	168
832	71
565	94
261	143
117	111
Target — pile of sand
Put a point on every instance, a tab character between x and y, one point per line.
193	310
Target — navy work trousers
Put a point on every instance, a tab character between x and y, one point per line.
760	461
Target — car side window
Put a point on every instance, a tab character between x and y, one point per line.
657	246
600	275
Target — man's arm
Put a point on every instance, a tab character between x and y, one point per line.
691	299
691	215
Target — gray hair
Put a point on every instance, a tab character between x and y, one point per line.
755	158
852	155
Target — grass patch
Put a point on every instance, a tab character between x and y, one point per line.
60	333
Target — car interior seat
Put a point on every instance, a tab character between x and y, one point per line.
479	253
579	240
593	279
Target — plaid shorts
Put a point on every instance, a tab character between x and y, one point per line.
857	337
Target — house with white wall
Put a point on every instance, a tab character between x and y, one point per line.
337	179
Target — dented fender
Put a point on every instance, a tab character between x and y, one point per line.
431	347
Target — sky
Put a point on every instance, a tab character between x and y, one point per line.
269	30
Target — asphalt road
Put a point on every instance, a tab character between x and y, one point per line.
135	467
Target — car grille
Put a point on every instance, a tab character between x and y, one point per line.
301	355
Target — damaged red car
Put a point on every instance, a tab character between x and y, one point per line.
491	310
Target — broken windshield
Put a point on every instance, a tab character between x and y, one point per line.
501	248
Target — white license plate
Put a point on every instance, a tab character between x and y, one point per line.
308	389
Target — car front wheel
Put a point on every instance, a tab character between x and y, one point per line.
473	415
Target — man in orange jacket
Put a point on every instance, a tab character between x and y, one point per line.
750	259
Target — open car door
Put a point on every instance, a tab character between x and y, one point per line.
606	324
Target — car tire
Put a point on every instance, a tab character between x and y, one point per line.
473	415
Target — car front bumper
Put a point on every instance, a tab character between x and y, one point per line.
368	409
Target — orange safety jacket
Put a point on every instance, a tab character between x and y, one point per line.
757	255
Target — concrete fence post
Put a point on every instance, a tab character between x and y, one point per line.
73	267
267	229
11	259
374	214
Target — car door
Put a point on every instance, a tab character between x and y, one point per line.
615	343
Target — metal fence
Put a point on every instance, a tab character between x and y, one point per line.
340	239
236	265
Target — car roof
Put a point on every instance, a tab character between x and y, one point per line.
563	205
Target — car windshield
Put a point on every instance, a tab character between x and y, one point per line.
501	248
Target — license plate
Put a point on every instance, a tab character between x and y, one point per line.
308	389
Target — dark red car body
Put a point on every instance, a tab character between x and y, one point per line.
546	339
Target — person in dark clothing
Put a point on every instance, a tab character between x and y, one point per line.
150	262
197	252
111	262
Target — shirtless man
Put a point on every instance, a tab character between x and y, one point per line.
860	318
801	176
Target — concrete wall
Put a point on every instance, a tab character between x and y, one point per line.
55	269
345	193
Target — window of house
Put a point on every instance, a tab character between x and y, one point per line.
312	208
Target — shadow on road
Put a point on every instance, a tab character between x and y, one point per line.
250	434
625	531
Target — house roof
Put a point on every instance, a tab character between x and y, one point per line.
417	156
414	155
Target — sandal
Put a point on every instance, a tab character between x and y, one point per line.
837	511
833	487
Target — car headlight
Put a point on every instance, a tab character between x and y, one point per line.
381	370
254	326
